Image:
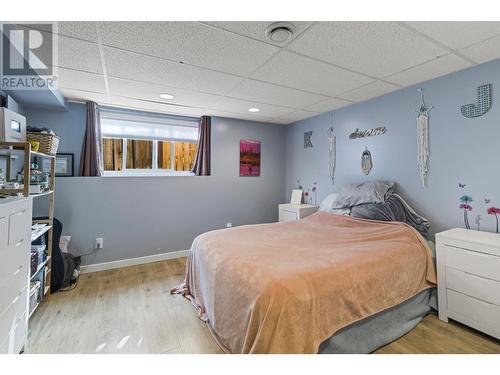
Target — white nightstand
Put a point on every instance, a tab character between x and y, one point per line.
288	212
468	266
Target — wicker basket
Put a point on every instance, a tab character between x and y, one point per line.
48	142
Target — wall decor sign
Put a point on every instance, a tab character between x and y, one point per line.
361	133
366	162
249	158
423	150
483	104
307	139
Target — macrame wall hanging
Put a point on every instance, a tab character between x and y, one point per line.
332	151
423	138
483	103
366	161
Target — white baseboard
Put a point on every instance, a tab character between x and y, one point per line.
133	261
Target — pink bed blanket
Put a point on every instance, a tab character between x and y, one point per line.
287	287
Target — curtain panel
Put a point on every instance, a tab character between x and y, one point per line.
202	160
91	157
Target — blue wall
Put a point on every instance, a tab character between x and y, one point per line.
140	216
462	149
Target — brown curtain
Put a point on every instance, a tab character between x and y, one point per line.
202	160
91	158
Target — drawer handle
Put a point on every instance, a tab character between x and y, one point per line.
18	270
19	243
20	213
476	253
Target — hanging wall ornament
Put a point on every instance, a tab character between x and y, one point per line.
366	161
483	103
307	139
423	139
332	151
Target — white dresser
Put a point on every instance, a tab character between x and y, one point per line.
468	265
15	244
288	211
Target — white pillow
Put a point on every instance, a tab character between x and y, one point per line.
327	203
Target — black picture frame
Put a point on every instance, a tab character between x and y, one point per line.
69	158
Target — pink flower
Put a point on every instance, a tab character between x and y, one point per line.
493	211
465	206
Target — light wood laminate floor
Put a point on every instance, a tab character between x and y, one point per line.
130	310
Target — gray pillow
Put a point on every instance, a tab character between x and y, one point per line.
394	208
365	192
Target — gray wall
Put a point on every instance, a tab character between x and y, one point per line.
462	149
145	216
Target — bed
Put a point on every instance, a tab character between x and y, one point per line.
325	284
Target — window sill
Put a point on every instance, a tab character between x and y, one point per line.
148	174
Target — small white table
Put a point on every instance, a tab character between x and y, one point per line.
289	212
468	266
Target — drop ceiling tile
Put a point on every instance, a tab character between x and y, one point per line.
298	115
79	55
484	51
75	79
455	34
268	93
189	42
242	106
369	91
81	30
373	48
289	69
132	66
117	101
239	116
281	121
329	104
256	30
146	91
432	69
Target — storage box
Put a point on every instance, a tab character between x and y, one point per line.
34	294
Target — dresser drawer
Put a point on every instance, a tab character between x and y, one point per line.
473	312
476	286
477	263
11	286
4	228
285	215
13	258
11	317
20	226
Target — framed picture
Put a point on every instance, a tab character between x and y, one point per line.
64	164
249	158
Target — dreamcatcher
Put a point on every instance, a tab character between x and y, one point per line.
423	138
332	151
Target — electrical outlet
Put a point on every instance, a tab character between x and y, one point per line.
229	225
99	243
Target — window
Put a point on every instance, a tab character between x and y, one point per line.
143	145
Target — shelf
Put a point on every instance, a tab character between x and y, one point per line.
33	311
40	266
39	233
43	155
42	194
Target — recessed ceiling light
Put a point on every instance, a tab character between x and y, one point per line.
280	32
253	109
166	96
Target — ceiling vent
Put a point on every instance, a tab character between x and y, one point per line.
280	32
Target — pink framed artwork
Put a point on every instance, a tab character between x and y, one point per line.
249	158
